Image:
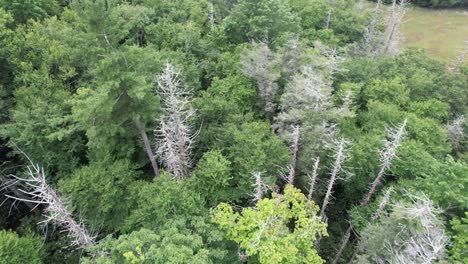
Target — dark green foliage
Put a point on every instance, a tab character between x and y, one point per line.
261	20
212	177
100	192
23	10
252	147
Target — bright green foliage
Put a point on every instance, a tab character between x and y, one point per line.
100	192
19	250
389	92
446	184
458	252
212	177
259	20
279	230
6	34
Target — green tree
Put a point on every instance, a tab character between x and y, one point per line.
279	230
460	239
22	10
100	192
251	147
270	20
15	249
211	178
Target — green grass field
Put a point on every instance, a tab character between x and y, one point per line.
441	32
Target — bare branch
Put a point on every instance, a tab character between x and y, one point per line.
175	134
260	64
455	131
55	212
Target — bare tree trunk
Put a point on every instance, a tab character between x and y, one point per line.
313	179
327	24
295	151
55	212
393	24
344	242
386	157
259	186
149	150
375	216
339	158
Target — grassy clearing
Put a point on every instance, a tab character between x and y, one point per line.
441	32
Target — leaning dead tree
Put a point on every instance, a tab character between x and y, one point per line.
260	64
387	155
175	134
380	210
36	191
340	156
392	32
455	67
313	178
147	144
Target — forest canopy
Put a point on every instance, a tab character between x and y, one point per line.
228	131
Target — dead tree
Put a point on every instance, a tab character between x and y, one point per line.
38	192
147	144
455	131
259	187
260	64
175	135
383	203
392	27
387	155
340	156
295	152
327	22
313	178
211	15
459	61
425	245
